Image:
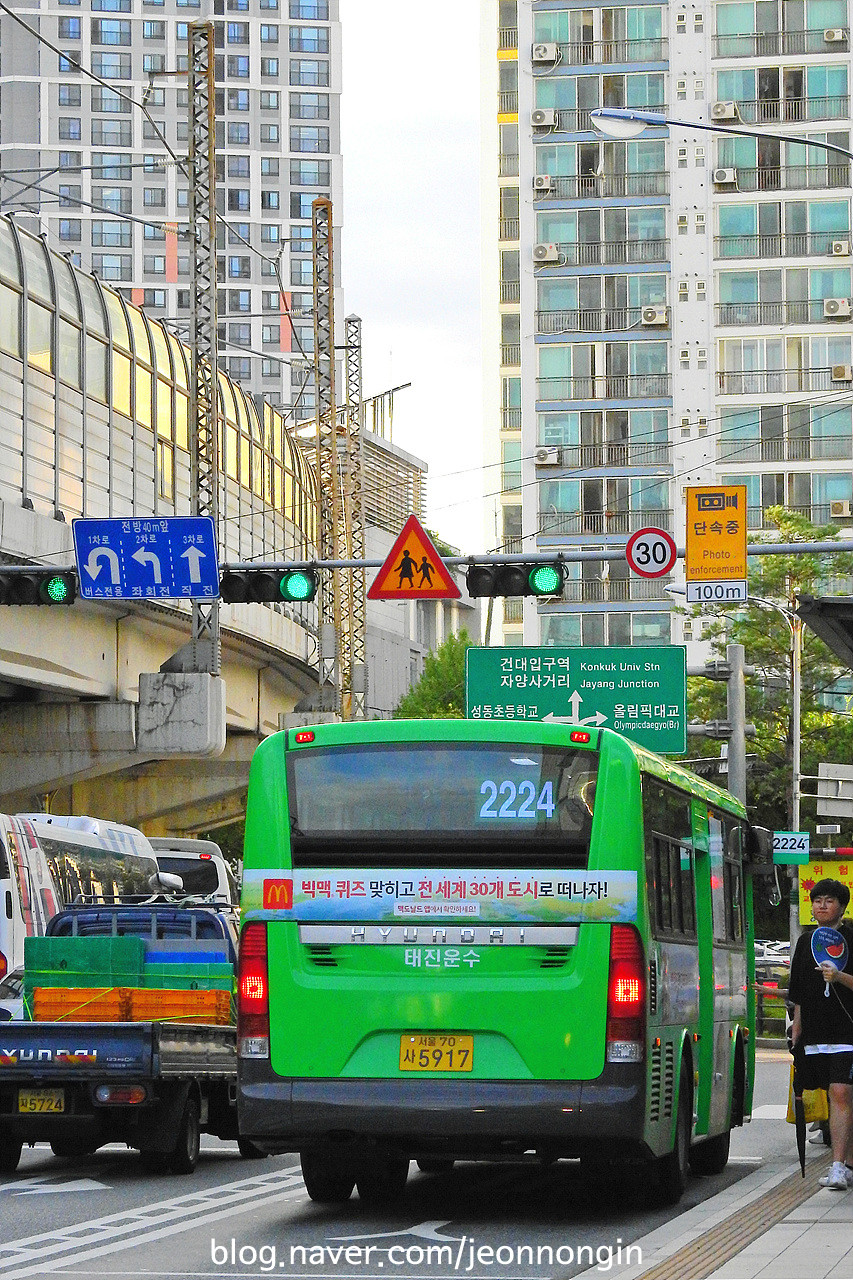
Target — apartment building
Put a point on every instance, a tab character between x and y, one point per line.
92	162
665	310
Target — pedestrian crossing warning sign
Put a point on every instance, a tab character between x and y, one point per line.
413	569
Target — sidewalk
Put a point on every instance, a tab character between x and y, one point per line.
772	1224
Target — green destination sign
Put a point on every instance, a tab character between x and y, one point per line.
639	692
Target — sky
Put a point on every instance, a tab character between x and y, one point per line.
410	259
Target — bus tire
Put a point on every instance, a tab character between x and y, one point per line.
10	1153
72	1148
673	1168
154	1161
184	1156
435	1164
382	1181
326	1180
712	1155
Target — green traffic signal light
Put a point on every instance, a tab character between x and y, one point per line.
546	579
37	587
523	579
298	586
268	586
59	588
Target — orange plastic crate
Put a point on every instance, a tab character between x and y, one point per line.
81	1004
171	1005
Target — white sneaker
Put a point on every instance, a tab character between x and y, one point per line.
839	1177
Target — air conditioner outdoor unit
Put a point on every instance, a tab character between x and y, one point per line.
654	315
725	177
840	249
836	308
546	253
835	35
724	111
841	373
545	53
544	118
543	182
841	508
548	457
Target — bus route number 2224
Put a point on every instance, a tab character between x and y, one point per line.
516	800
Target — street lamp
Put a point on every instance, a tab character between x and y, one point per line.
623	122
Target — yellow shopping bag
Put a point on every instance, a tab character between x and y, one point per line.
815	1103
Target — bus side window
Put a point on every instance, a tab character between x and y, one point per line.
669	860
4	862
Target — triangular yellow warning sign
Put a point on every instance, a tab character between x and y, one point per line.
413	569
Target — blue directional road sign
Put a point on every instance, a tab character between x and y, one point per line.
152	558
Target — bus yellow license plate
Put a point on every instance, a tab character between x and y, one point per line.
40	1100
436	1053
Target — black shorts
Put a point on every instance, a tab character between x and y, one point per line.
820	1070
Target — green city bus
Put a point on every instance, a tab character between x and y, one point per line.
468	940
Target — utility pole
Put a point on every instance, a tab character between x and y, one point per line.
328	502
204	396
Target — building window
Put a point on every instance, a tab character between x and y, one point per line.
69	95
112	235
269	66
269	368
301	272
239	200
238	66
238	99
270	300
113	199
269	34
69	128
269	166
270	233
69	228
154	31
238	133
69	197
309	39
152	232
68	29
300	239
112	266
154	264
154	197
269	100
239	300
112	66
308	71
153	63
309	173
112	133
309	106
70	160
110	31
237	32
239	268
308	137
270	133
300	204
271	333
240	334
107	167
109	102
270	199
310	10
240	368
238	166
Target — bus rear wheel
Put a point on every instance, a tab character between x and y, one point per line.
712	1155
381	1181
673	1169
10	1153
326	1180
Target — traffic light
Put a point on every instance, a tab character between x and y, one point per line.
39	586
271	586
539	578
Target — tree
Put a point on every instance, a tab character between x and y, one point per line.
766	637
440	692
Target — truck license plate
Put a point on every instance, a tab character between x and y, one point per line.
436	1053
41	1100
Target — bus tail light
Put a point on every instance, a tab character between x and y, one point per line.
253	1009
626	996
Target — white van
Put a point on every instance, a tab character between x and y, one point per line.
28	894
199	863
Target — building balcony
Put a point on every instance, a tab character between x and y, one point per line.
509	229
607	253
510	353
508	102
510	419
787	110
772	43
578	120
627	386
774	382
508	165
589	53
508	38
615	590
616	453
510	290
793	177
807	244
757	517
592	186
595	320
779	313
565	524
794	449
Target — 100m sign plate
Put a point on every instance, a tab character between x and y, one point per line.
436	1053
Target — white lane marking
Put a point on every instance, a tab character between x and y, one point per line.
34	1255
46	1184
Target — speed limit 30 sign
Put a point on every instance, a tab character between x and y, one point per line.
651	553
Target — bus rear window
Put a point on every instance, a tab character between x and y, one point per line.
458	802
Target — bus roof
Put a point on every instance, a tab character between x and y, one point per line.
90	833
